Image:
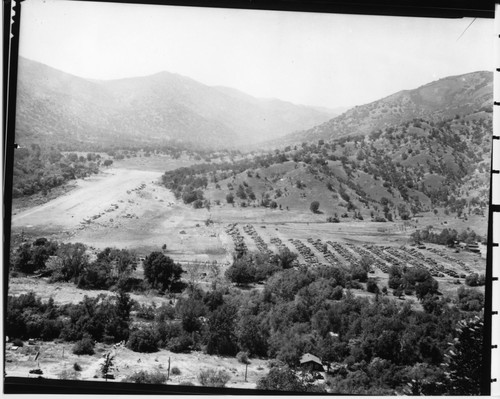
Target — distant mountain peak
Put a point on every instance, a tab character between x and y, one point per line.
152	108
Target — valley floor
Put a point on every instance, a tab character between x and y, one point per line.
128	208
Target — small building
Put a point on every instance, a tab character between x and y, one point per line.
311	363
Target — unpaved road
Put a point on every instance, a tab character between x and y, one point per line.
125	208
92	197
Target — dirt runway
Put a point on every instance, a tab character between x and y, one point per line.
92	197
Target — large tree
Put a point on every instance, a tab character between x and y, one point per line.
314	207
464	363
161	271
242	271
286	258
220	335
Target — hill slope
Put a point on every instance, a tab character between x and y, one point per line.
439	100
398	172
56	107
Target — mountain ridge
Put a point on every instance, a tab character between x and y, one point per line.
53	105
437	100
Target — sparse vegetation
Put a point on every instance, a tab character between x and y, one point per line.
147	377
213	378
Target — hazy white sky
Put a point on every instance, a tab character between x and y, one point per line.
306	58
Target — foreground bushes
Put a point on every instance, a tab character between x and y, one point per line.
213	378
283	378
28	317
145	377
101	318
84	347
143	340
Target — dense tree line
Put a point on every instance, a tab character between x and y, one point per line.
103	319
256	267
412	280
110	268
38	170
446	236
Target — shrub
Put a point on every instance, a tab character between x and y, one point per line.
243	357
281	378
475	280
213	378
96	276
314	207
198	204
145	377
51	329
359	273
143	340
84	347
17	342
354	284
165	331
470	299
180	344
161	271
165	312
146	312
241	272
175	370
371	286
337	293
68	375
77	367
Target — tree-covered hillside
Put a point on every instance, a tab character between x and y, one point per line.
395	172
40	170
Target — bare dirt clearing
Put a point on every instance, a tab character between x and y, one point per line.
92	199
55	358
65	293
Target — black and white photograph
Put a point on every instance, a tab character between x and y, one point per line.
264	200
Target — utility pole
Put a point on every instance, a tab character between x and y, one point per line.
168	371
